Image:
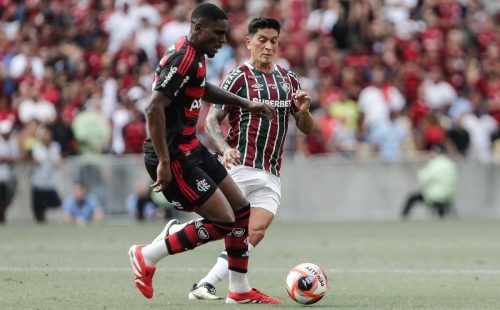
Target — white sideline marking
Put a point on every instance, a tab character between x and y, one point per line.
267	270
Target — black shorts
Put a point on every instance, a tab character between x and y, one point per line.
195	177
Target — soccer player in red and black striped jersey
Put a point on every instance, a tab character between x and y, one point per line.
253	149
189	176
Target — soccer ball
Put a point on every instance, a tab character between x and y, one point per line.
306	283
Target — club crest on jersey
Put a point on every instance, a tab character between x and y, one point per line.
257	86
202	185
196	104
285	86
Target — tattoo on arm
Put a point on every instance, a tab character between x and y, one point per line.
213	130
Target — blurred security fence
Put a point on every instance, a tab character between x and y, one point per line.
313	188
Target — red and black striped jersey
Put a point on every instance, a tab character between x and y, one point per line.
259	140
180	75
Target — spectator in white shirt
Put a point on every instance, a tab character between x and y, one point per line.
120	27
438	93
176	28
46	155
481	127
141	9
378	100
33	107
146	36
27	61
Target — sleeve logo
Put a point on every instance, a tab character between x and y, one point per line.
169	76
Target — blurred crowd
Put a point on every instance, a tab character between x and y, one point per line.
389	78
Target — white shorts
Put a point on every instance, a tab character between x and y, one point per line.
261	188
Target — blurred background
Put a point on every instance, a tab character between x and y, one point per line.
392	82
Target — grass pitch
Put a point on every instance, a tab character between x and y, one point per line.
451	264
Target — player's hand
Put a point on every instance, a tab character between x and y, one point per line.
230	158
262	109
302	100
163	177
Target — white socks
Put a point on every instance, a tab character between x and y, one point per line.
238	282
176	227
220	271
250	248
154	252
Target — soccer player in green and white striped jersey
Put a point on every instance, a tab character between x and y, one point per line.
253	149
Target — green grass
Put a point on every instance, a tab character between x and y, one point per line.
453	264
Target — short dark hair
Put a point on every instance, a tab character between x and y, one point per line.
207	12
262	22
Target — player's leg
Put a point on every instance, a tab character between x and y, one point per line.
237	251
237	241
188	189
263	207
262	190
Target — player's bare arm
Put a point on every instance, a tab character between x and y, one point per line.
216	94
156	124
231	156
303	118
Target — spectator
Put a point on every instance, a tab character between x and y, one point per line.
26	63
69	55
63	134
9	154
134	133
33	107
91	129
458	139
176	28
438	180
82	208
378	100
388	138
46	155
438	93
322	19
120	27
146	36
480	127
93	133
140	205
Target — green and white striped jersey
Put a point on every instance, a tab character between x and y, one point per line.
259	140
